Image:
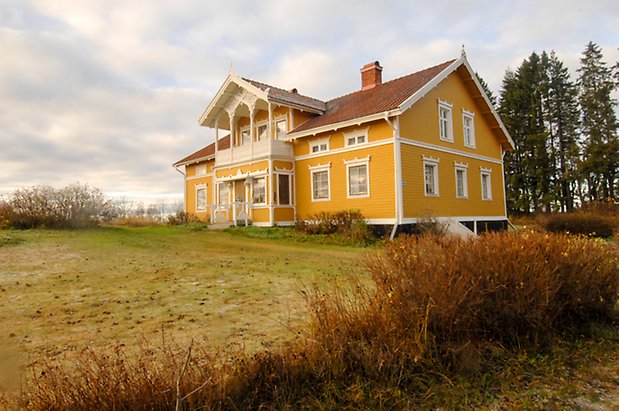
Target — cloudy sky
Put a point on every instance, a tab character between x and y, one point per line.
108	92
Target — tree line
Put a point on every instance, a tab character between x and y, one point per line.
565	131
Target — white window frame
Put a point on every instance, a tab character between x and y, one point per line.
279	120
487	172
253	185
430	162
318	169
448	109
264	124
319	143
219	193
356	135
468	115
463	167
201	169
200	187
289	175
356	163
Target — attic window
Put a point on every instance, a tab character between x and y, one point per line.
318	146
356	137
445	121
468	124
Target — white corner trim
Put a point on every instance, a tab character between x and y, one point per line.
356	161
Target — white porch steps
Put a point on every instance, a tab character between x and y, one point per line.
455	227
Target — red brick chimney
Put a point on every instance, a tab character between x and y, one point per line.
371	75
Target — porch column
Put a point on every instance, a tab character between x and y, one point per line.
251	131
232	134
270	128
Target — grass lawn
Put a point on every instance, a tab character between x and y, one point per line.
64	290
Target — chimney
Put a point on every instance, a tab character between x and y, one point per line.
371	75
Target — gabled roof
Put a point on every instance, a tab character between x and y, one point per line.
382	98
289	96
396	96
205	153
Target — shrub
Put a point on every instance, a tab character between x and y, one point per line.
74	206
350	224
181	218
583	223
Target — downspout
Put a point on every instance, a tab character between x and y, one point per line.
397	166
184	188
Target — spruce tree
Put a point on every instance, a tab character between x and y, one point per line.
600	165
562	122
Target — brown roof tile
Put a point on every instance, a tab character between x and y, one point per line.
205	152
384	97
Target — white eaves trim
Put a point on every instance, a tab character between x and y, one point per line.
232	78
336	126
195	160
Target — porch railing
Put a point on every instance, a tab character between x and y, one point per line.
237	212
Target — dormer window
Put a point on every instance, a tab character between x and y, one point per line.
445	121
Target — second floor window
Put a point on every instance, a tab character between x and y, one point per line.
468	128
262	132
281	126
445	121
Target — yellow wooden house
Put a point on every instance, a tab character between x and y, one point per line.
426	145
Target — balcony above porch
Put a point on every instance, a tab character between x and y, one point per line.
257	150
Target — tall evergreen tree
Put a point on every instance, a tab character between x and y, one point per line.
600	164
529	168
562	122
486	89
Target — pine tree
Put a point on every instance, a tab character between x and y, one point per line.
600	165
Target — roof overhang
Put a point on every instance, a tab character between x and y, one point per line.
194	160
463	67
228	90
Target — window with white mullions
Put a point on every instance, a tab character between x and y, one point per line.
445	121
283	189
461	182
201	198
430	177
358	180
486	185
259	190
468	124
320	185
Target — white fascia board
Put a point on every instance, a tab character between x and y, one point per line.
195	160
488	103
342	124
431	84
214	101
296	106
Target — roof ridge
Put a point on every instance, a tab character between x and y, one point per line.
281	89
392	80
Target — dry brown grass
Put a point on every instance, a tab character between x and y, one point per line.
437	307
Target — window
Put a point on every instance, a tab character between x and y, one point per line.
201	169
469	128
318	146
262	132
430	173
283	189
245	137
356	137
259	190
486	184
223	193
358	181
320	185
461	181
201	198
282	128
445	121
